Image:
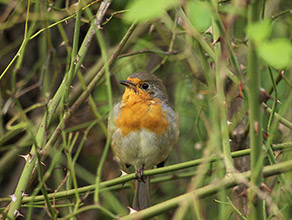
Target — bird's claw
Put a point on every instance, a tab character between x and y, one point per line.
139	174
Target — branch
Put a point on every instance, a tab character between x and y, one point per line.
226	182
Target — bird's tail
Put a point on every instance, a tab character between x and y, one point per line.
142	194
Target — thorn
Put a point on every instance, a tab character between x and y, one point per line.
229	122
76	60
256	127
180	21
13	197
265	187
210	31
18	213
42	163
239	95
277	153
62	44
151	29
230	140
28	156
265	134
23	194
24	156
216	41
233	45
82	66
242	67
244	193
264	96
99	27
132	210
123	173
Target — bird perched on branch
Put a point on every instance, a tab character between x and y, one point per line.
145	129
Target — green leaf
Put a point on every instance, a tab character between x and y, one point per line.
259	31
142	10
277	53
200	15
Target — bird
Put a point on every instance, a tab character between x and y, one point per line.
145	130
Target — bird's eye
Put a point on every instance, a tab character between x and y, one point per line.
144	86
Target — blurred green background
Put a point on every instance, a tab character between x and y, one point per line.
176	40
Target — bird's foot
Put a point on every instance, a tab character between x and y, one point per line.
139	174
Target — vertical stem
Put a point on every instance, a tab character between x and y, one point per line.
268	144
220	76
30	162
255	117
74	56
220	62
110	105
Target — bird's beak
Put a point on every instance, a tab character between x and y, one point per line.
129	85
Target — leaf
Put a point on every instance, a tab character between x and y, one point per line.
142	10
200	15
259	31
277	53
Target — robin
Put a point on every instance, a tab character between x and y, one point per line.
145	129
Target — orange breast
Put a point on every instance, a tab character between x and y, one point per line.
141	111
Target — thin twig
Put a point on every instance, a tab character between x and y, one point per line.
205	191
90	87
112	15
97	22
167	169
174	52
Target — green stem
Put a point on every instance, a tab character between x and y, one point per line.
74	56
59	22
288	11
220	75
281	119
90	87
91	207
229	202
29	165
255	117
221	100
268	144
123	179
19	54
226	182
109	95
73	173
48	173
40	136
271	118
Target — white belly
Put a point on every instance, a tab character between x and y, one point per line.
142	147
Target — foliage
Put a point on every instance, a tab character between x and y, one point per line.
227	68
